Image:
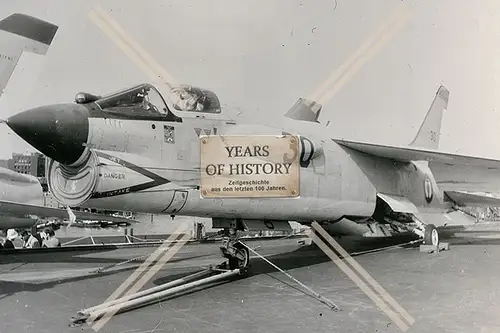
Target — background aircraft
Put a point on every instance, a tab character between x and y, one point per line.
22	33
21	196
137	150
21	204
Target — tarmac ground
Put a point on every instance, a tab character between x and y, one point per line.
451	291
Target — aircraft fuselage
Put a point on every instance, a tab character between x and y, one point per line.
154	166
118	153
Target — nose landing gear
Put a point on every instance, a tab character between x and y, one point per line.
235	252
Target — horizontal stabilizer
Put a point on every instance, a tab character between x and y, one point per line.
470	199
304	110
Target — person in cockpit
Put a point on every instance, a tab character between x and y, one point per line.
146	104
190	101
143	100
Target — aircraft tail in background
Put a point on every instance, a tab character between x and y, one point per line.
22	33
430	130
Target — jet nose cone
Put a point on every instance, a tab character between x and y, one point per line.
58	131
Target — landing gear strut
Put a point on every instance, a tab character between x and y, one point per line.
427	231
235	252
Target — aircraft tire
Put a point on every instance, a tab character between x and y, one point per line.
431	235
243	265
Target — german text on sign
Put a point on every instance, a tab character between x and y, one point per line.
249	166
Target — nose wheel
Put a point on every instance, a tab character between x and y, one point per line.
241	257
236	253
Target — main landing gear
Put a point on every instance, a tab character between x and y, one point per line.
431	235
237	254
427	231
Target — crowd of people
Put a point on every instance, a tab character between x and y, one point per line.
31	240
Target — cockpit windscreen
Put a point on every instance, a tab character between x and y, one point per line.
139	100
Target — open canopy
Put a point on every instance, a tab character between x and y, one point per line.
193	99
145	100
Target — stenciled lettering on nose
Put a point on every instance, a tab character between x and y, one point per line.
114	175
6	57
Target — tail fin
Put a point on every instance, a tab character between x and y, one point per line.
18	33
430	130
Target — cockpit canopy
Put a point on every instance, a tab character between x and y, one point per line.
145	100
143	97
193	99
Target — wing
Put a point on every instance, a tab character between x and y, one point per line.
452	172
15	209
473	199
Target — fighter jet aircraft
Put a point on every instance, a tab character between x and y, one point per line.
139	150
21	204
22	33
21	196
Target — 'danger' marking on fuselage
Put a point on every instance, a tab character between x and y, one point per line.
114	175
156	180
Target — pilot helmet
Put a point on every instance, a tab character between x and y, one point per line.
12	234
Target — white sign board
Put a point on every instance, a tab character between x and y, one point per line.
251	166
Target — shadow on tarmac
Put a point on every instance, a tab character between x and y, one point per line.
312	255
309	255
9	288
302	257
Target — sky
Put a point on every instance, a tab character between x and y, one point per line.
261	55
